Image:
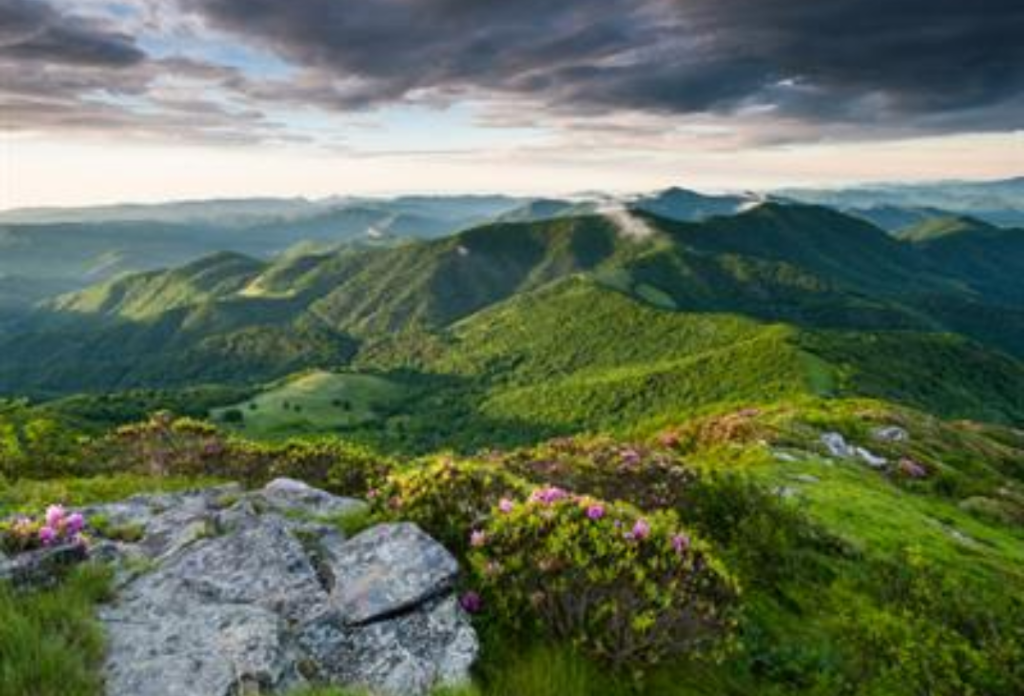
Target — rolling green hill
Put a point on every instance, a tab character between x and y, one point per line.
989	259
548	327
315	402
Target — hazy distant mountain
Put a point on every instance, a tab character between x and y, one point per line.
77	247
685	205
996	202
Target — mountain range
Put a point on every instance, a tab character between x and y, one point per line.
550	320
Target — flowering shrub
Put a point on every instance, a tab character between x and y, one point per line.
650	477
629	588
168	446
57	526
445	497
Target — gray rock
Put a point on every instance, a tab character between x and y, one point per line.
263	565
193	648
873	460
289	495
890	433
408	654
259	600
386	570
836	445
805	478
41	567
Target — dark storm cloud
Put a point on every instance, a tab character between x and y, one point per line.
31	30
819	60
882	68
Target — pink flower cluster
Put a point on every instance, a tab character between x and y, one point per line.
61	527
641	530
548	495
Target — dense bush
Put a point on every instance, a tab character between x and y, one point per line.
167	446
650	477
628	588
446	497
35	445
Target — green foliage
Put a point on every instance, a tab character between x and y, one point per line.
168	446
315	402
446	497
129	533
50	642
29	496
34	444
628	588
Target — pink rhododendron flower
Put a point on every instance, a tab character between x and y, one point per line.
477	539
641	529
548	495
680	542
47	536
54	516
506	505
595	511
471	602
74	523
630	457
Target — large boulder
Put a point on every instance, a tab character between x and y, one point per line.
387	569
266	599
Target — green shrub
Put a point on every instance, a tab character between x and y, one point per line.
127	532
627	588
446	497
649	477
36	446
167	446
768	540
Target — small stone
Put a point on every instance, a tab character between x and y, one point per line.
890	433
836	445
871	459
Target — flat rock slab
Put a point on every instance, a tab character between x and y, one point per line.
263	601
404	655
386	570
289	495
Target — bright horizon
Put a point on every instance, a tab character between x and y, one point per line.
111	101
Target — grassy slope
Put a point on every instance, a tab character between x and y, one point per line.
577	355
315	402
833	619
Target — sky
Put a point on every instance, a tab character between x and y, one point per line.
146	100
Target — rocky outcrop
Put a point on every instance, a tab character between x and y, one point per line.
42	567
227	592
837	446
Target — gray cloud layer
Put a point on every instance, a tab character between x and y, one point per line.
817	59
882	65
31	31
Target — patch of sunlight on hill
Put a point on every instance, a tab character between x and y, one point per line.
317	402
